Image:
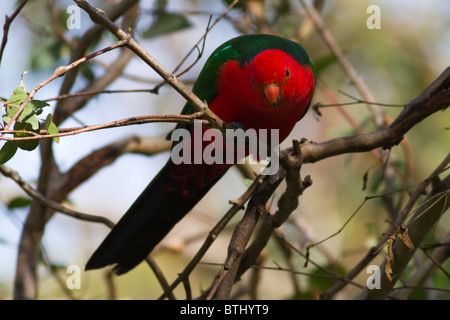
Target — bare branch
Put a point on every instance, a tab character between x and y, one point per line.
25	284
287	203
99	17
58	73
88	38
434	98
93	93
427	216
7	172
114	124
242	234
8	21
237	205
434	261
203	40
419	190
334	47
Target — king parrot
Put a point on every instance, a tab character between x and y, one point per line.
258	81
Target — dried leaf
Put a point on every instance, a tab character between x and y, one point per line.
51	127
389	259
402	233
365	178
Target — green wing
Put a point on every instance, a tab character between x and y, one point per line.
309	103
203	87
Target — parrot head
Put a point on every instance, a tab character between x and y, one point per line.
281	80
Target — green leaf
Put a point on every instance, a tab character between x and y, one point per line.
236	6
29	112
27	145
47	53
18	94
28	115
86	72
375	181
12	104
323	283
10	112
6	119
324	62
37	105
51	127
165	23
7	151
18	202
248	182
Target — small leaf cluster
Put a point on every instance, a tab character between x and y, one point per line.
26	124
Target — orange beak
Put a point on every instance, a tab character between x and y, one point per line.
273	93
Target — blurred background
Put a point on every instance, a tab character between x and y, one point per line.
396	62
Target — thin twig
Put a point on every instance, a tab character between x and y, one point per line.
436	97
437	263
372	253
237	205
113	124
60	71
348	67
417	230
287	203
209	27
8	21
243	232
7	172
99	17
160	276
92	93
26	278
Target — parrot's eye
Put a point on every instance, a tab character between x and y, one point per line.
287	73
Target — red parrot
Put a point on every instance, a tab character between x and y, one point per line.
256	81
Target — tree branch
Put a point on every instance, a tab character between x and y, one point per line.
99	17
43	134
434	261
436	97
86	167
346	65
242	234
287	203
422	222
414	196
414	112
87	40
25	284
58	73
8	21
237	205
29	190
